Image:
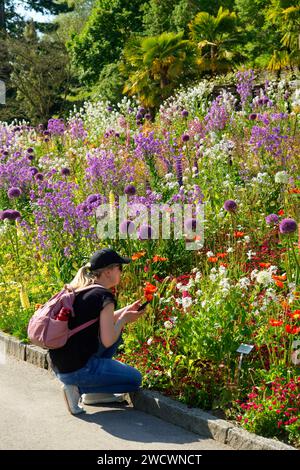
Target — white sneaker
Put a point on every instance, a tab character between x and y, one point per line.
72	396
95	398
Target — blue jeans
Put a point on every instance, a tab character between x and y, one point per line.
102	374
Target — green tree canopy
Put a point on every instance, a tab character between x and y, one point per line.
156	66
102	39
215	37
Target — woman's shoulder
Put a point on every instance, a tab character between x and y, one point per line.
95	293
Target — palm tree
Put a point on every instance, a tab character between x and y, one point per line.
215	37
156	65
287	21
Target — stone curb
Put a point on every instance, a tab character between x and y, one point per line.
154	403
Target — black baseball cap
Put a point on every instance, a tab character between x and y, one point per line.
105	257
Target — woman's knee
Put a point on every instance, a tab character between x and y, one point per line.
137	378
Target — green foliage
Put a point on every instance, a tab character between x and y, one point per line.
156	66
40	74
102	38
110	84
215	37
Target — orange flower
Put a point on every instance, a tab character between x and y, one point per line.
224	264
149	291
264	265
158	258
285	305
293	330
279	284
222	255
296	295
148	297
273	322
238	234
294	191
138	255
280	212
150	288
295	315
212	259
279	278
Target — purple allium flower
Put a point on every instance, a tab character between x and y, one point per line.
145	232
148	116
252	116
14	192
139	116
30	156
56	126
65	171
272	219
10	214
33	170
142	110
39	176
185	138
184	113
130	190
92	198
127	226
288	226
230	205
30	150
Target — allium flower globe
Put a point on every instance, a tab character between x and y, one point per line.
288	226
264	277
14	192
230	205
272	219
282	177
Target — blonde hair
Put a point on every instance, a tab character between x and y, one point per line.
85	276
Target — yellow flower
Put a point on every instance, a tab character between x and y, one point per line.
24	298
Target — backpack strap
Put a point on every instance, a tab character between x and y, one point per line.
82	327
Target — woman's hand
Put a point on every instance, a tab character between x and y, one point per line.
131	313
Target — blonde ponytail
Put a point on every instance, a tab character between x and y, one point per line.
85	277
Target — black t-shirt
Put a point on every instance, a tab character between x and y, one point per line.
82	345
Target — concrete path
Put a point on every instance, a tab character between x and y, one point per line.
33	415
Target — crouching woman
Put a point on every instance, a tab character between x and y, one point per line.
85	365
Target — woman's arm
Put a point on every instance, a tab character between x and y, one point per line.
110	328
119	313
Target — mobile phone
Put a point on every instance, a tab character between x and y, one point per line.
141	307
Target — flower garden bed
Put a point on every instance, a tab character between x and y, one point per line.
241	282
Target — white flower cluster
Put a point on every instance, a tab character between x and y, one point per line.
296	98
98	118
190	99
281	177
244	283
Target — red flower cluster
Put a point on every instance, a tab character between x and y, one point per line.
149	291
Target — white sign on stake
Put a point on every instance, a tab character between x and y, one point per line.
245	348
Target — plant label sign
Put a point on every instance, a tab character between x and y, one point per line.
245	348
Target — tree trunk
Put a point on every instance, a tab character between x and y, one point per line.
2	17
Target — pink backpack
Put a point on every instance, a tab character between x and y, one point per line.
48	331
